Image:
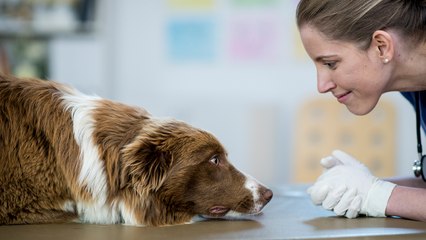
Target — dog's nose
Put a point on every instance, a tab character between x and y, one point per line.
267	195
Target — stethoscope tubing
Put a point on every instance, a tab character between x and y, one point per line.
418	165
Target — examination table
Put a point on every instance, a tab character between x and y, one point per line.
289	215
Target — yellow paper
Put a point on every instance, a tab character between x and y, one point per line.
191	4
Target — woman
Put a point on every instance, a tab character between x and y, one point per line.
362	49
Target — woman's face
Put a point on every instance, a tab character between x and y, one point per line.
354	76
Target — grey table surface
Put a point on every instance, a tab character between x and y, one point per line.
289	215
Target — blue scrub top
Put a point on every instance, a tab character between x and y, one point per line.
410	97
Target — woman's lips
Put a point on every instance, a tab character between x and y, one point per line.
341	98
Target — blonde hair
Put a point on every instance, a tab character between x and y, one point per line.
356	20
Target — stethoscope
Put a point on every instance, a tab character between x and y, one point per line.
419	164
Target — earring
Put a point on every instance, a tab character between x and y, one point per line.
385	60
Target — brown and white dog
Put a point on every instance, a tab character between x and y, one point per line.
66	156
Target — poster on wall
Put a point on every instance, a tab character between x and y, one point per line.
235	31
191	31
191	39
253	38
191	4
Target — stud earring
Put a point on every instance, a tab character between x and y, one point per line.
385	60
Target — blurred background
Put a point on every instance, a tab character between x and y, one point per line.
233	67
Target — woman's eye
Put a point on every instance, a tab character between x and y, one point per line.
215	160
330	65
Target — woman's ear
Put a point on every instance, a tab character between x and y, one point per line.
383	43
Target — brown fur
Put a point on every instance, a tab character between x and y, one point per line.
159	170
37	151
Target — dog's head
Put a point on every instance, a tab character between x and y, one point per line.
175	171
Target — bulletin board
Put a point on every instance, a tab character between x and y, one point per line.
324	125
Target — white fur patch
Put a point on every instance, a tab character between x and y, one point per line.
127	216
234	215
97	213
69	206
92	173
253	186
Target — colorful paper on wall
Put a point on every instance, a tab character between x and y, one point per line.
254	38
191	4
191	39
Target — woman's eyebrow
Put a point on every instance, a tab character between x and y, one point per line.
321	57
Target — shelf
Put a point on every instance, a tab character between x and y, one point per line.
29	32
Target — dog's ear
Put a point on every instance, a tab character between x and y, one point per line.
144	165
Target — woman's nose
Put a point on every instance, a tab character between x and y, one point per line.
324	83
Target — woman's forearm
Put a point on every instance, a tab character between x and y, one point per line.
407	202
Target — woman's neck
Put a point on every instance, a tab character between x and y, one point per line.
410	68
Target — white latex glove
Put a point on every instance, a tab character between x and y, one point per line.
348	188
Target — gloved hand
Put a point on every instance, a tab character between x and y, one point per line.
348	188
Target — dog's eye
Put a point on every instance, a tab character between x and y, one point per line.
215	160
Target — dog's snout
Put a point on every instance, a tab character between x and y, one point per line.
267	195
